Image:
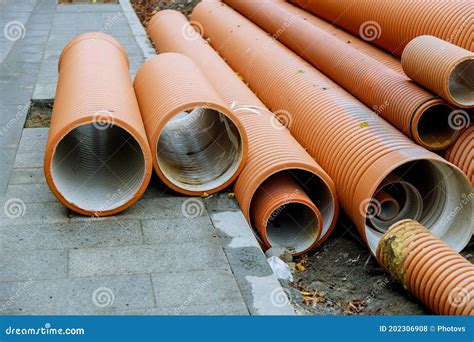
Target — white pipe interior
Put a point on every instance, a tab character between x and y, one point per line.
461	83
97	167
448	202
199	150
293	225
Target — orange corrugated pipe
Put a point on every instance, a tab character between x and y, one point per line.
461	153
198	144
427	267
413	110
358	150
380	55
276	209
97	159
392	24
444	68
272	149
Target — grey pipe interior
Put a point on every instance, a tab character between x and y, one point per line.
410	205
448	205
199	150
98	168
461	83
292	225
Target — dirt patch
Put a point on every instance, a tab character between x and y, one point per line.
145	9
39	114
342	278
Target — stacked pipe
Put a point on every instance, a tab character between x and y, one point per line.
427	267
393	24
97	159
461	153
274	155
198	144
360	44
413	110
444	68
359	151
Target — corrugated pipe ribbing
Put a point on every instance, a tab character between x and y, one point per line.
97	159
272	149
392	24
359	150
427	267
461	153
198	144
364	46
413	110
444	68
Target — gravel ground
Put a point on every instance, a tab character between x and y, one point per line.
342	278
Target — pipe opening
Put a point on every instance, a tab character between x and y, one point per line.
199	150
98	167
396	201
447	201
461	83
293	225
434	127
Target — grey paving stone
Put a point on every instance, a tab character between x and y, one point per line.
71	235
196	288
33	175
98	7
33	213
178	230
12	119
31	193
186	256
92	295
154	208
26	264
7	156
221	202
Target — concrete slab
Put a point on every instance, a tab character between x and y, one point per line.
141	259
93	295
27	264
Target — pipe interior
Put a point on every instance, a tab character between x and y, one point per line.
461	83
408	204
199	150
98	168
292	225
448	201
434	128
388	210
